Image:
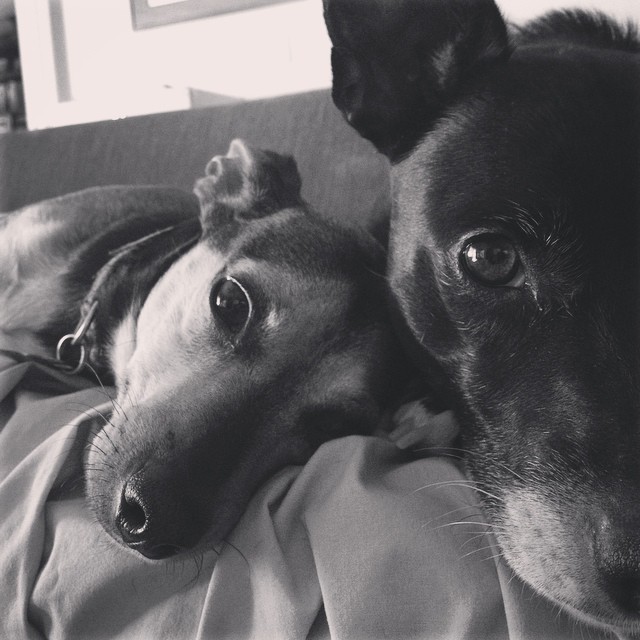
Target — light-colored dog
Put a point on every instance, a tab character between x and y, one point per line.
241	334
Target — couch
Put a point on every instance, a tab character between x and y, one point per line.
342	175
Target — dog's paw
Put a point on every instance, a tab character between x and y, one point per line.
416	427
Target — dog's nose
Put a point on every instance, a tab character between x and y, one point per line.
623	586
136	523
616	548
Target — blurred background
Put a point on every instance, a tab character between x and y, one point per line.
71	61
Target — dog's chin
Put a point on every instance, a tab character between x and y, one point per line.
623	629
544	547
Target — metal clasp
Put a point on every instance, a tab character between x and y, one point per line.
77	337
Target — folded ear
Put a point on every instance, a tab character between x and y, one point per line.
246	183
398	63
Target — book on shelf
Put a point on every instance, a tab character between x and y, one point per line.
6	123
12	109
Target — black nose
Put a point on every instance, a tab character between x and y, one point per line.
623	586
138	525
616	547
132	517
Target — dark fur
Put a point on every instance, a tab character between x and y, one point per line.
535	137
98	223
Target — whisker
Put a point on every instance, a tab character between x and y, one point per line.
469	453
105	433
90	410
441	452
495	556
465	484
490	527
478	550
93	445
116	406
449	513
472	539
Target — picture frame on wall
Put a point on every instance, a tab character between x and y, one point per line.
155	13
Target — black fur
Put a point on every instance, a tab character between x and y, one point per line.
98	223
534	139
130	275
588	29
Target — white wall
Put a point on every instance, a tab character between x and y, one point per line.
114	71
262	52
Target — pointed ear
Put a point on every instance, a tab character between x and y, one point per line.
398	63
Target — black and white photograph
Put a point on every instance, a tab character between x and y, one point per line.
320	320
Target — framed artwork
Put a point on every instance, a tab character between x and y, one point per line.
155	13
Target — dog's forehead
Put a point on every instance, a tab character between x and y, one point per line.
319	280
312	246
545	134
306	327
317	308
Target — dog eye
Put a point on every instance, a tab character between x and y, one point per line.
230	304
492	260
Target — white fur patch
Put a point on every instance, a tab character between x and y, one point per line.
272	321
173	329
444	61
121	348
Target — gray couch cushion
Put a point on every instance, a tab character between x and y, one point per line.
343	176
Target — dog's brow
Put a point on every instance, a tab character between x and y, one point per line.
534	224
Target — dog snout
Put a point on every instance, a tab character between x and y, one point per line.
152	524
616	551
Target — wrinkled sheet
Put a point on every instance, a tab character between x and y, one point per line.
356	544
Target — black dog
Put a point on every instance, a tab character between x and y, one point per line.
515	261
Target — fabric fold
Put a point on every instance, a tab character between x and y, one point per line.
360	543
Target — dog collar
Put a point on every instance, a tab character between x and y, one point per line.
73	349
76	339
142	261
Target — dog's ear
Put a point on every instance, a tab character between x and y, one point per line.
398	63
245	184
